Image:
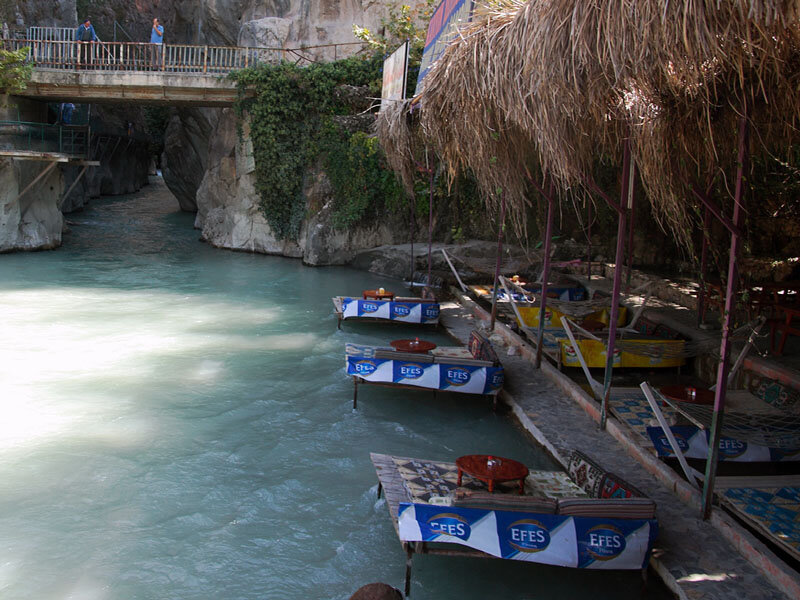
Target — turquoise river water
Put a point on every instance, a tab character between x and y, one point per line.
176	423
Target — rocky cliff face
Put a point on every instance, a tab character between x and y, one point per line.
29	218
229	216
210	172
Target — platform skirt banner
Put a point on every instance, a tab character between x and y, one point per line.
466	379
426	313
567	541
693	442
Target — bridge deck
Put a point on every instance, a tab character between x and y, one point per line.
147	73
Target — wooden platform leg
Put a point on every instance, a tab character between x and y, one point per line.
409	557
355	392
380	489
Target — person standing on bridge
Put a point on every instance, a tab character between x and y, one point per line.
156	40
84	36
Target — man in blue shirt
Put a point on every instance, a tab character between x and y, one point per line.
157	39
84	35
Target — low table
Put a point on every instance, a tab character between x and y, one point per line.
377	295
416	345
681	393
491	469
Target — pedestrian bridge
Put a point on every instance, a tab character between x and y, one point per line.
174	74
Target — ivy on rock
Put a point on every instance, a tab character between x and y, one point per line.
292	126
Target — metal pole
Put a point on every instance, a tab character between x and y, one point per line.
630	227
545	275
701	293
612	325
725	346
499	257
589	239
430	220
411	277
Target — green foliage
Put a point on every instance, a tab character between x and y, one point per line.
362	182
402	23
15	71
287	115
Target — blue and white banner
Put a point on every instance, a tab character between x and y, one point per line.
580	542
693	442
433	376
426	313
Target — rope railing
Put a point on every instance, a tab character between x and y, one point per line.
169	58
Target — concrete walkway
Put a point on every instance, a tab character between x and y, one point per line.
692	556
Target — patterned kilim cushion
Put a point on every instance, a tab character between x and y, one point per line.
774	510
481	347
613	486
586	473
424	479
776	394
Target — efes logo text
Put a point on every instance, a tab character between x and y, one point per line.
528	535
450	524
431	311
411	371
369	307
457	376
365	367
401	310
682	443
605	542
732	448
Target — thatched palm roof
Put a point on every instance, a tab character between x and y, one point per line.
562	82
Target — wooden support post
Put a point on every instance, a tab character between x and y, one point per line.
453	269
548	234
725	346
72	186
36	180
499	258
676	449
355	392
409	557
614	312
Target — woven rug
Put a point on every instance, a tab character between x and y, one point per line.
631	407
775	511
424	479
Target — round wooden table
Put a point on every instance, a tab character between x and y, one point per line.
377	295
416	345
683	393
491	469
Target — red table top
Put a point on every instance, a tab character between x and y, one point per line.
415	345
496	468
377	295
681	394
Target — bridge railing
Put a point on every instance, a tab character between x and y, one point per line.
42	137
170	58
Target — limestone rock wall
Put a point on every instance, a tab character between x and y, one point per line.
32	221
204	164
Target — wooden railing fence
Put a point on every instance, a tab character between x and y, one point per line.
169	58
